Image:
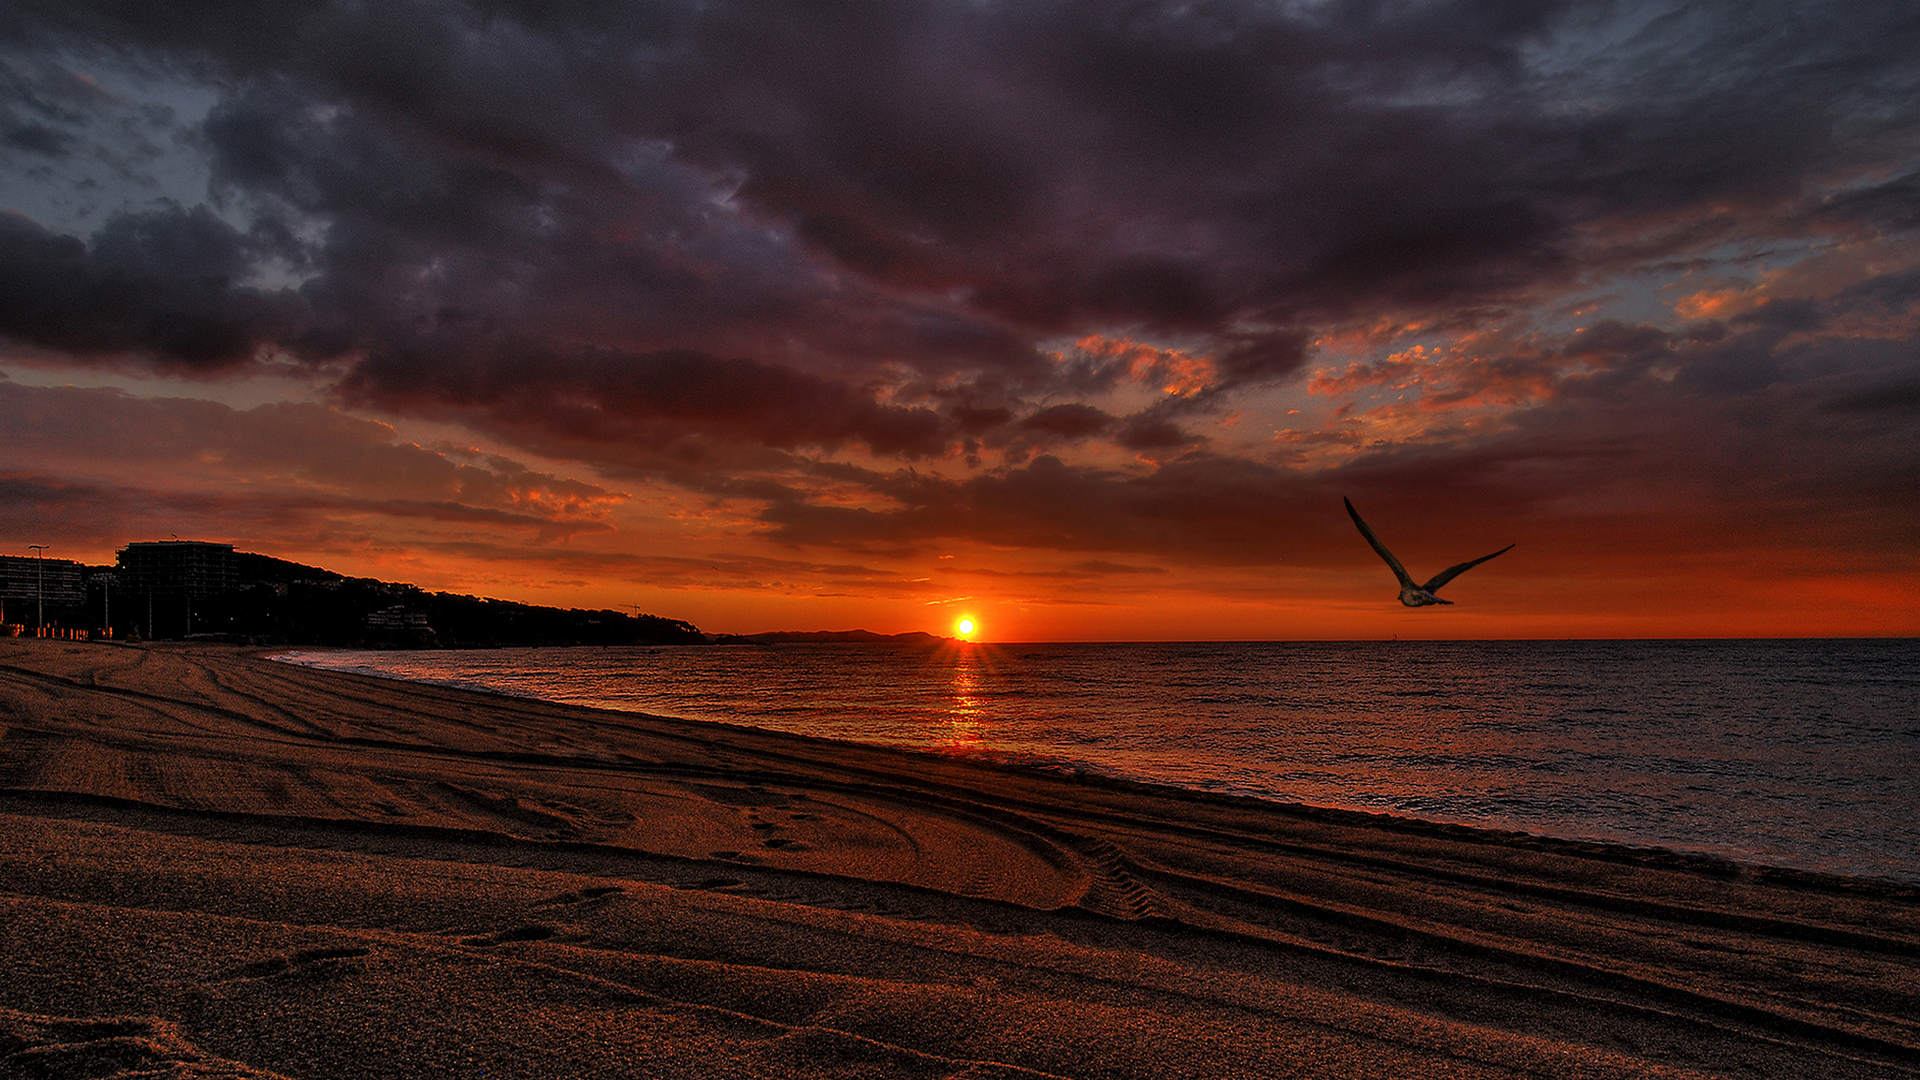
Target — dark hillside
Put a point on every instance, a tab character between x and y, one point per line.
274	601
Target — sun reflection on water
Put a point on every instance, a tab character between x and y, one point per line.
969	718
965	714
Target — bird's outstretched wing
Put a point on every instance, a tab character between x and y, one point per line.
1452	572
1381	550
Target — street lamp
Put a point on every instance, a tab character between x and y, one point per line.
39	584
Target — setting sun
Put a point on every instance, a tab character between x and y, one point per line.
965	626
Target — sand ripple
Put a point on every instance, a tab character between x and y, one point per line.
321	875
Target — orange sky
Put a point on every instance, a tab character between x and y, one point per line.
362	499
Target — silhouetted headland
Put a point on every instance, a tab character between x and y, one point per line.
191	589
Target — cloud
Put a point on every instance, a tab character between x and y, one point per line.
163	284
1146	432
651	399
39	139
1072	420
1196	508
1707	438
682	573
301	455
83	514
1893	397
1544	260
968	179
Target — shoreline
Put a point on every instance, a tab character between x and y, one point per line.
1577	832
1704	862
264	858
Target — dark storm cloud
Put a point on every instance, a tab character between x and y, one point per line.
651	399
1073	421
1148	432
661	228
1168	165
38	138
44	103
162	283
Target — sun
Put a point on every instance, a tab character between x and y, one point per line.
965	626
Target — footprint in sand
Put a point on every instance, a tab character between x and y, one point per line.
53	1046
580	896
304	959
712	883
529	932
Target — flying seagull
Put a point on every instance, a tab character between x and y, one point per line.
1410	594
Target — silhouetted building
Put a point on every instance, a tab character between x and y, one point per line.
396	619
181	586
400	625
189	567
27	583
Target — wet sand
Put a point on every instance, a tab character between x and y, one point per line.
214	865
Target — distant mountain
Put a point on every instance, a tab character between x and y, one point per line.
840	637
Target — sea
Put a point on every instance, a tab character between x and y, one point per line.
1794	753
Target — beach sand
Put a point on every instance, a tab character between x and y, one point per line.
215	865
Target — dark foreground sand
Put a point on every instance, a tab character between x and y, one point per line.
212	865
